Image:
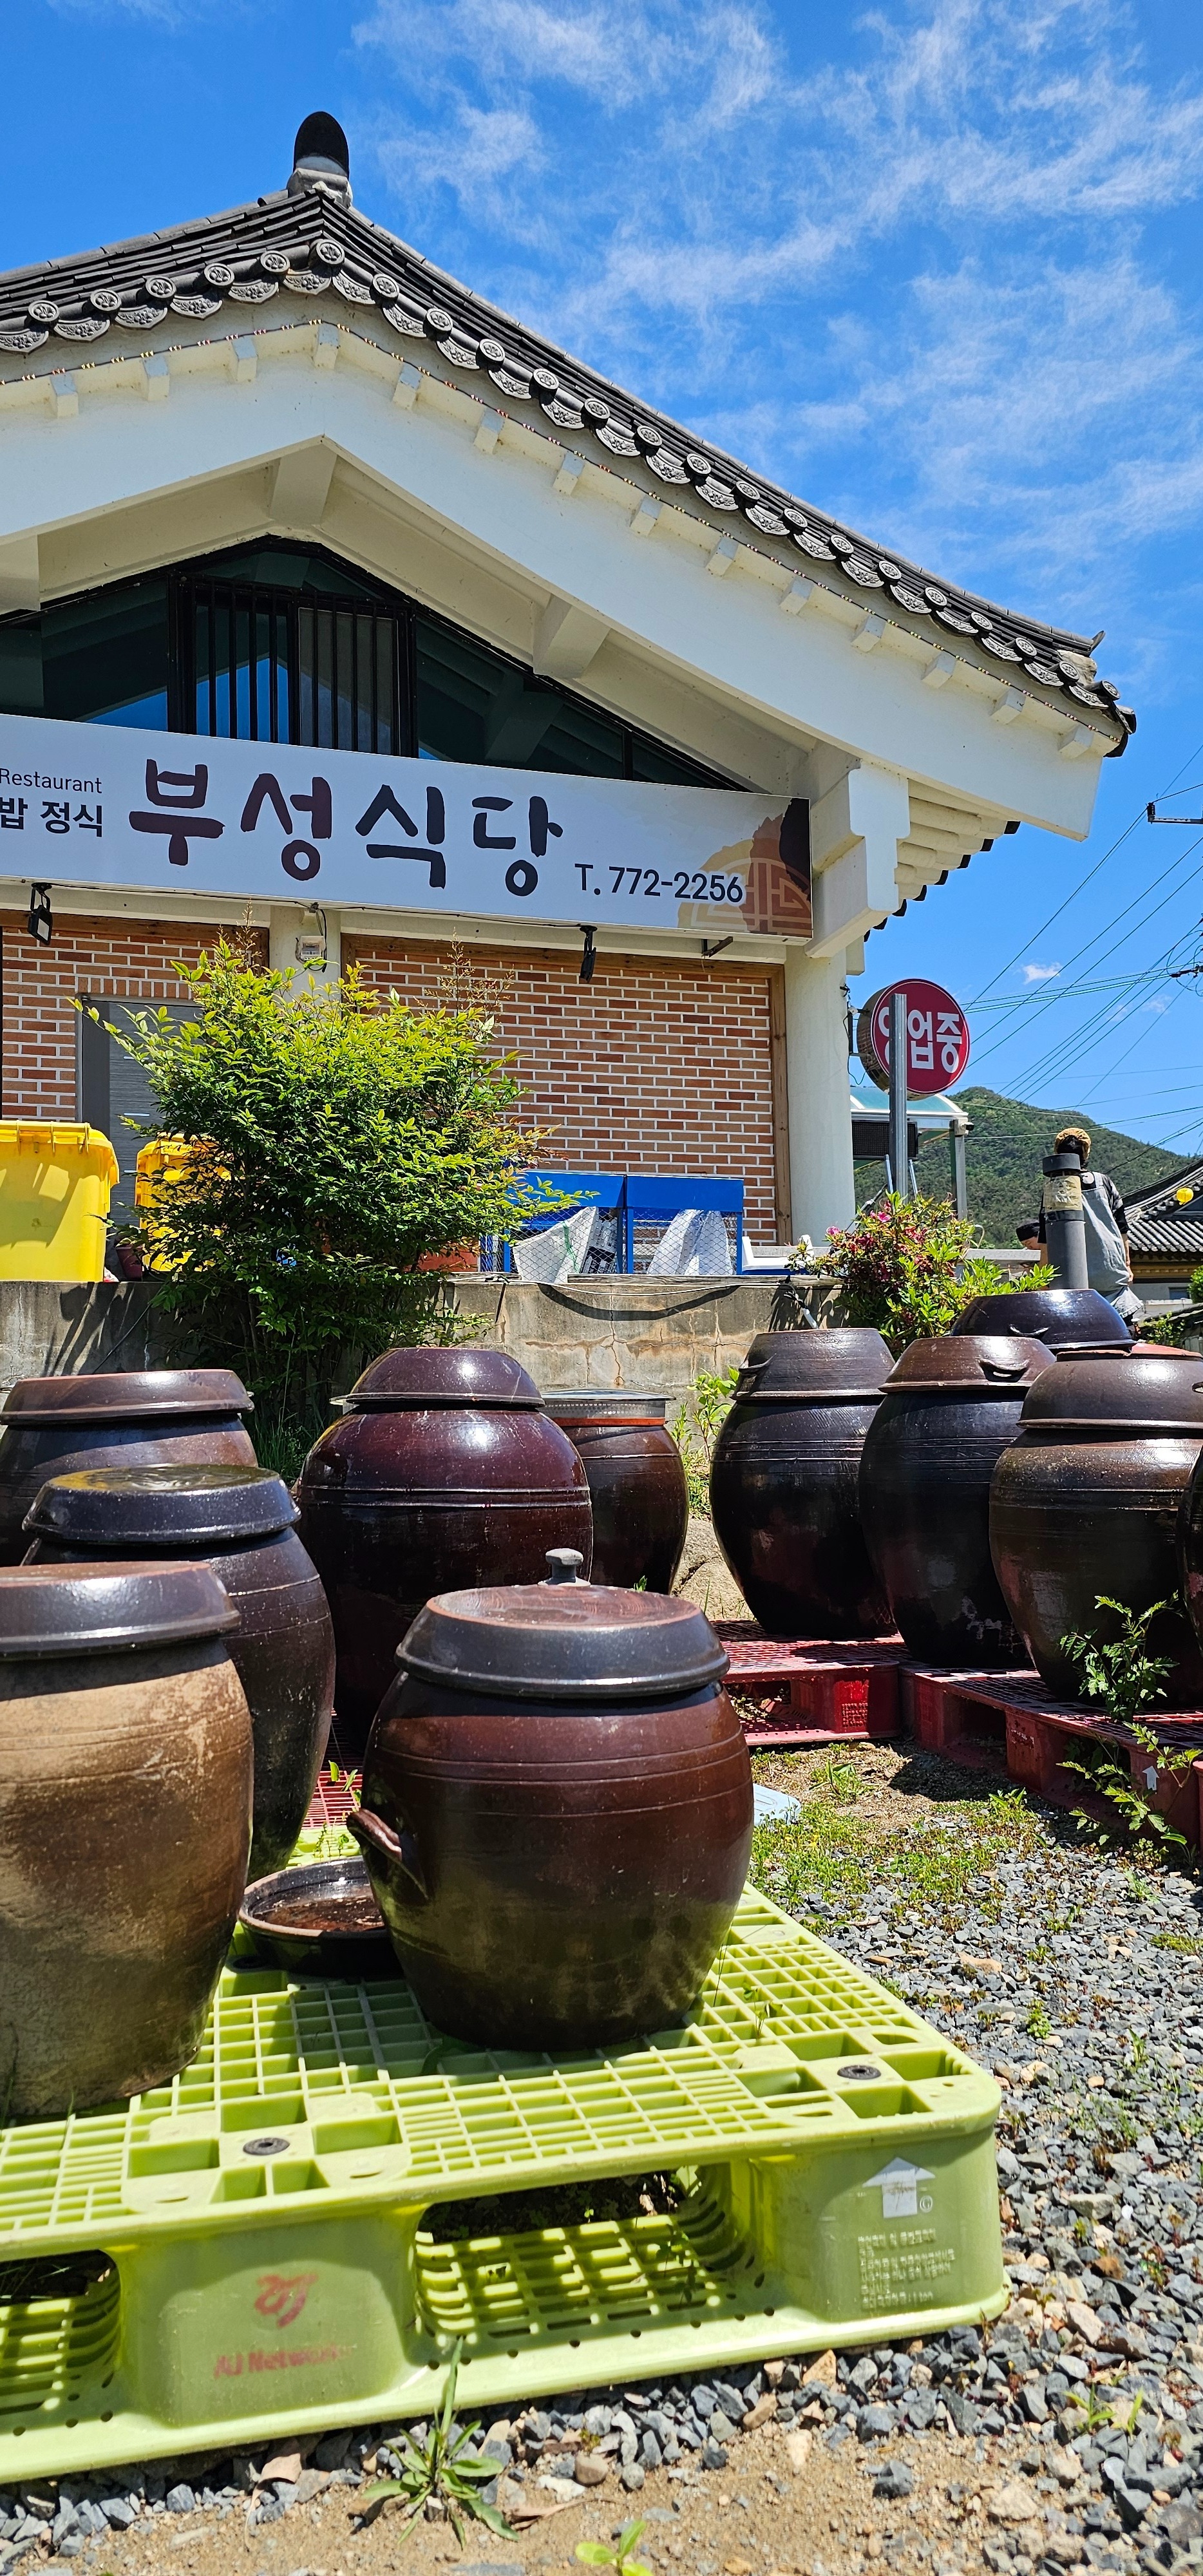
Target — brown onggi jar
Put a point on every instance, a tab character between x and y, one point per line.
1059	1317
125	1824
783	1483
636	1483
948	1410
129	1418
1086	1501
557	1811
242	1520
444	1471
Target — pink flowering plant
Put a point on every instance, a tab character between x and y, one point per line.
909	1268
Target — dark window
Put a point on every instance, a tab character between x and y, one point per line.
472	705
281	647
100	659
280	643
113	1088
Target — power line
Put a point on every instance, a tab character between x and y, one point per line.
1048	1001
1069	992
1068	1050
1183	859
1090	873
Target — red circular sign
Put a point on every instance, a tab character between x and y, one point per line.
937	1037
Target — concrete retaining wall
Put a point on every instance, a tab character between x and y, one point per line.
650	1335
53	1330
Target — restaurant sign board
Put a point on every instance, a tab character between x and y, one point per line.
108	806
937	1037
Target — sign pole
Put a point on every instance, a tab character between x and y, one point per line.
900	1161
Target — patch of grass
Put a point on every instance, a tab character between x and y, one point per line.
1187	1942
837	1777
933	1860
1038	2022
284	1433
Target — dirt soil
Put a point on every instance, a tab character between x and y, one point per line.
821	2520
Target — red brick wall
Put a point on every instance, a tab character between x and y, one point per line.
655	1066
132	960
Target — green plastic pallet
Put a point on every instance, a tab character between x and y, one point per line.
268	2270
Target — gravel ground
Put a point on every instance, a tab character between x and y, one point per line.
1069	2433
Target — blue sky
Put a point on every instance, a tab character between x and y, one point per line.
936	266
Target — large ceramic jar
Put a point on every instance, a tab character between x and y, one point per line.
557	1811
242	1520
1058	1317
444	1471
132	1418
1086	1501
783	1483
125	1822
950	1408
636	1484
1190	1545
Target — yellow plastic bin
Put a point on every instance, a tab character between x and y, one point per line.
160	1165
55	1183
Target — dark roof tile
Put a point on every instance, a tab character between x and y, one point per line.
306	243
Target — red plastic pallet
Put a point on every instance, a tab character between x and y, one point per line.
834	1691
1007	1723
332	1798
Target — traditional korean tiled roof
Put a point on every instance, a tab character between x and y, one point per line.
1160	1222
308	249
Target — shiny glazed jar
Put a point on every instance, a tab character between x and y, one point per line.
557	1811
783	1483
948	1410
132	1418
1190	1546
241	1520
636	1484
444	1471
125	1823
1086	1501
1056	1316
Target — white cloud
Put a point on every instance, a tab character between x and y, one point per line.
912	279
1039	974
487	146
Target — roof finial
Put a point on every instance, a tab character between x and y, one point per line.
321	158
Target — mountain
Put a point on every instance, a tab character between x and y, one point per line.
1005	1150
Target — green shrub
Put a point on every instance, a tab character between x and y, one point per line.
695	1438
338	1138
909	1268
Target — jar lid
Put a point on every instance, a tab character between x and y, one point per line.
125	1395
1051	1315
1154	1392
419	1379
610	1404
979	1364
840	1365
127	1508
92	1609
563	1640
